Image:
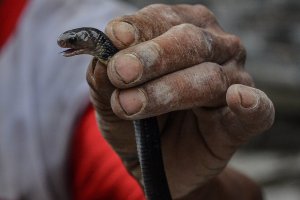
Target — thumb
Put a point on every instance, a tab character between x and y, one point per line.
251	108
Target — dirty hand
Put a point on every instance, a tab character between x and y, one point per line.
177	63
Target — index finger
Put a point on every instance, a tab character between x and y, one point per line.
156	19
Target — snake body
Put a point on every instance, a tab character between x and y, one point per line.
94	42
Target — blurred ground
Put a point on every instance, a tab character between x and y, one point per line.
270	30
278	173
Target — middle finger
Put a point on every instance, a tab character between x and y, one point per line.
182	46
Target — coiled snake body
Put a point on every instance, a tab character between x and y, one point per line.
92	41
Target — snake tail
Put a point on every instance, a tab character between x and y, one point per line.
150	156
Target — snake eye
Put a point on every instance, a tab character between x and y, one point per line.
72	40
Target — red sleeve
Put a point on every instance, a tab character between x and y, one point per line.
97	171
10	11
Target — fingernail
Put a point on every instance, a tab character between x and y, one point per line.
132	101
128	67
124	32
248	98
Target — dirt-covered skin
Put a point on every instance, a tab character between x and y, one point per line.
176	62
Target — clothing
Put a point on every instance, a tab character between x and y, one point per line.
42	95
97	171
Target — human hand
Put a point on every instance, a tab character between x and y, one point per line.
178	64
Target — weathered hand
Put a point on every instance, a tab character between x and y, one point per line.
176	62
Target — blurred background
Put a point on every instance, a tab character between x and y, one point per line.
270	30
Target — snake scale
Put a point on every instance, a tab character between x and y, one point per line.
94	42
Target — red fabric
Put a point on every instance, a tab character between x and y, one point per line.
10	10
98	173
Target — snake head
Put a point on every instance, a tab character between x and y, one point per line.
79	41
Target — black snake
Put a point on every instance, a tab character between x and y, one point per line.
92	41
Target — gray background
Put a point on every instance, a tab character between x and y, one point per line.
270	30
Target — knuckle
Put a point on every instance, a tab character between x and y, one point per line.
245	78
151	21
187	31
217	80
198	38
191	39
241	53
241	56
114	20
186	27
207	43
194	41
157	6
149	53
209	15
218	72
236	40
201	8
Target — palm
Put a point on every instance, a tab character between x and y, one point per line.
193	147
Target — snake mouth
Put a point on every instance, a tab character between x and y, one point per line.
72	52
